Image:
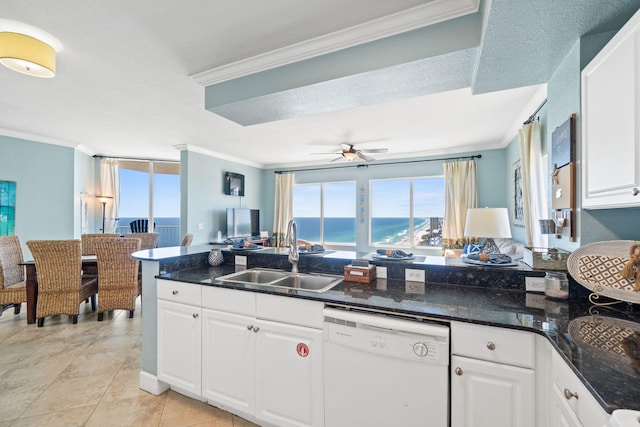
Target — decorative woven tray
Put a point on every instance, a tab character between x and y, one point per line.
597	267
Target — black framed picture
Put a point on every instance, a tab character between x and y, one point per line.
233	184
563	142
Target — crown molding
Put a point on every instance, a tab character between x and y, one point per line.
42	139
211	153
424	15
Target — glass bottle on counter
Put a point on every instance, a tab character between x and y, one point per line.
556	285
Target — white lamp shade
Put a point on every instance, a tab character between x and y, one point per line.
487	222
27	55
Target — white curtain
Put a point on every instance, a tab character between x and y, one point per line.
283	208
461	193
110	186
533	184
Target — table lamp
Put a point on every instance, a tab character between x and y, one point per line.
490	223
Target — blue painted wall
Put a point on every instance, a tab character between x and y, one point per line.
49	179
203	200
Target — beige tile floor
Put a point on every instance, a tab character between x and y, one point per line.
86	375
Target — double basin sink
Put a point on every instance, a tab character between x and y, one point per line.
310	282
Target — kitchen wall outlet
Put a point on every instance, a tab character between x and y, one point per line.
240	260
200	226
534	284
381	272
413	275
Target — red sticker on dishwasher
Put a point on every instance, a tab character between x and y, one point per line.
302	349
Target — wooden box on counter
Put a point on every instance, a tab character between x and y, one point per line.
366	274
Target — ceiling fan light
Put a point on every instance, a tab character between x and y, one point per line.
350	155
27	55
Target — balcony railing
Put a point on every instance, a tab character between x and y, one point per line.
169	234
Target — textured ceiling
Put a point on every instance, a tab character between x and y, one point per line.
124	85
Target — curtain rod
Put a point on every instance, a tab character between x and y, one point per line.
366	165
533	116
100	156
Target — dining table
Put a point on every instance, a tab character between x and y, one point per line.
32	283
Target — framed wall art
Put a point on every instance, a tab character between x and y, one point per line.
7	208
518	203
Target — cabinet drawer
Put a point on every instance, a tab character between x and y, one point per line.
294	311
185	293
585	406
229	300
493	344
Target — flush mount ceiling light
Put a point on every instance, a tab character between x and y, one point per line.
27	55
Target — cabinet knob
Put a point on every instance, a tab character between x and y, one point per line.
568	394
175	292
491	346
458	371
635	191
256	329
195	315
249	327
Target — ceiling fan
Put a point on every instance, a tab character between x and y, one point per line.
350	153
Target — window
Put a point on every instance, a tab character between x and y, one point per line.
407	212
162	205
326	212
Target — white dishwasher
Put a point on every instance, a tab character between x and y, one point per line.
381	370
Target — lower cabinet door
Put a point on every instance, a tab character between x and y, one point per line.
560	413
488	394
289	375
228	353
179	346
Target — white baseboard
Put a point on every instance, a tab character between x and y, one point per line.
150	383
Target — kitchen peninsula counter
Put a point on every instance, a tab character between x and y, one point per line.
577	329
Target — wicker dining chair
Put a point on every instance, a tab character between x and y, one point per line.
89	241
187	239
118	281
61	288
13	288
147	240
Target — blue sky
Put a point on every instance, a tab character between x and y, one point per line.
134	195
390	199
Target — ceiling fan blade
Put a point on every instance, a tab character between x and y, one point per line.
335	160
374	150
329	152
365	157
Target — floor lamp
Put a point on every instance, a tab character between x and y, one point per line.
103	200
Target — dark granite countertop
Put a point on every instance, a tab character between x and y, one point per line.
581	332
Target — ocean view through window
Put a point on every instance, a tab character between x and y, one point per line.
407	212
326	212
135	198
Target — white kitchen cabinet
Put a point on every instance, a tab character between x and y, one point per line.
228	351
610	124
571	398
289	375
560	413
487	389
179	346
267	370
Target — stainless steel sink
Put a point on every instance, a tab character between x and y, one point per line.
310	282
255	275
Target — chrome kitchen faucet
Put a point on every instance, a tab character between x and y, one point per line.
292	241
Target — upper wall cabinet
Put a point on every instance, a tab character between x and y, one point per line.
611	122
